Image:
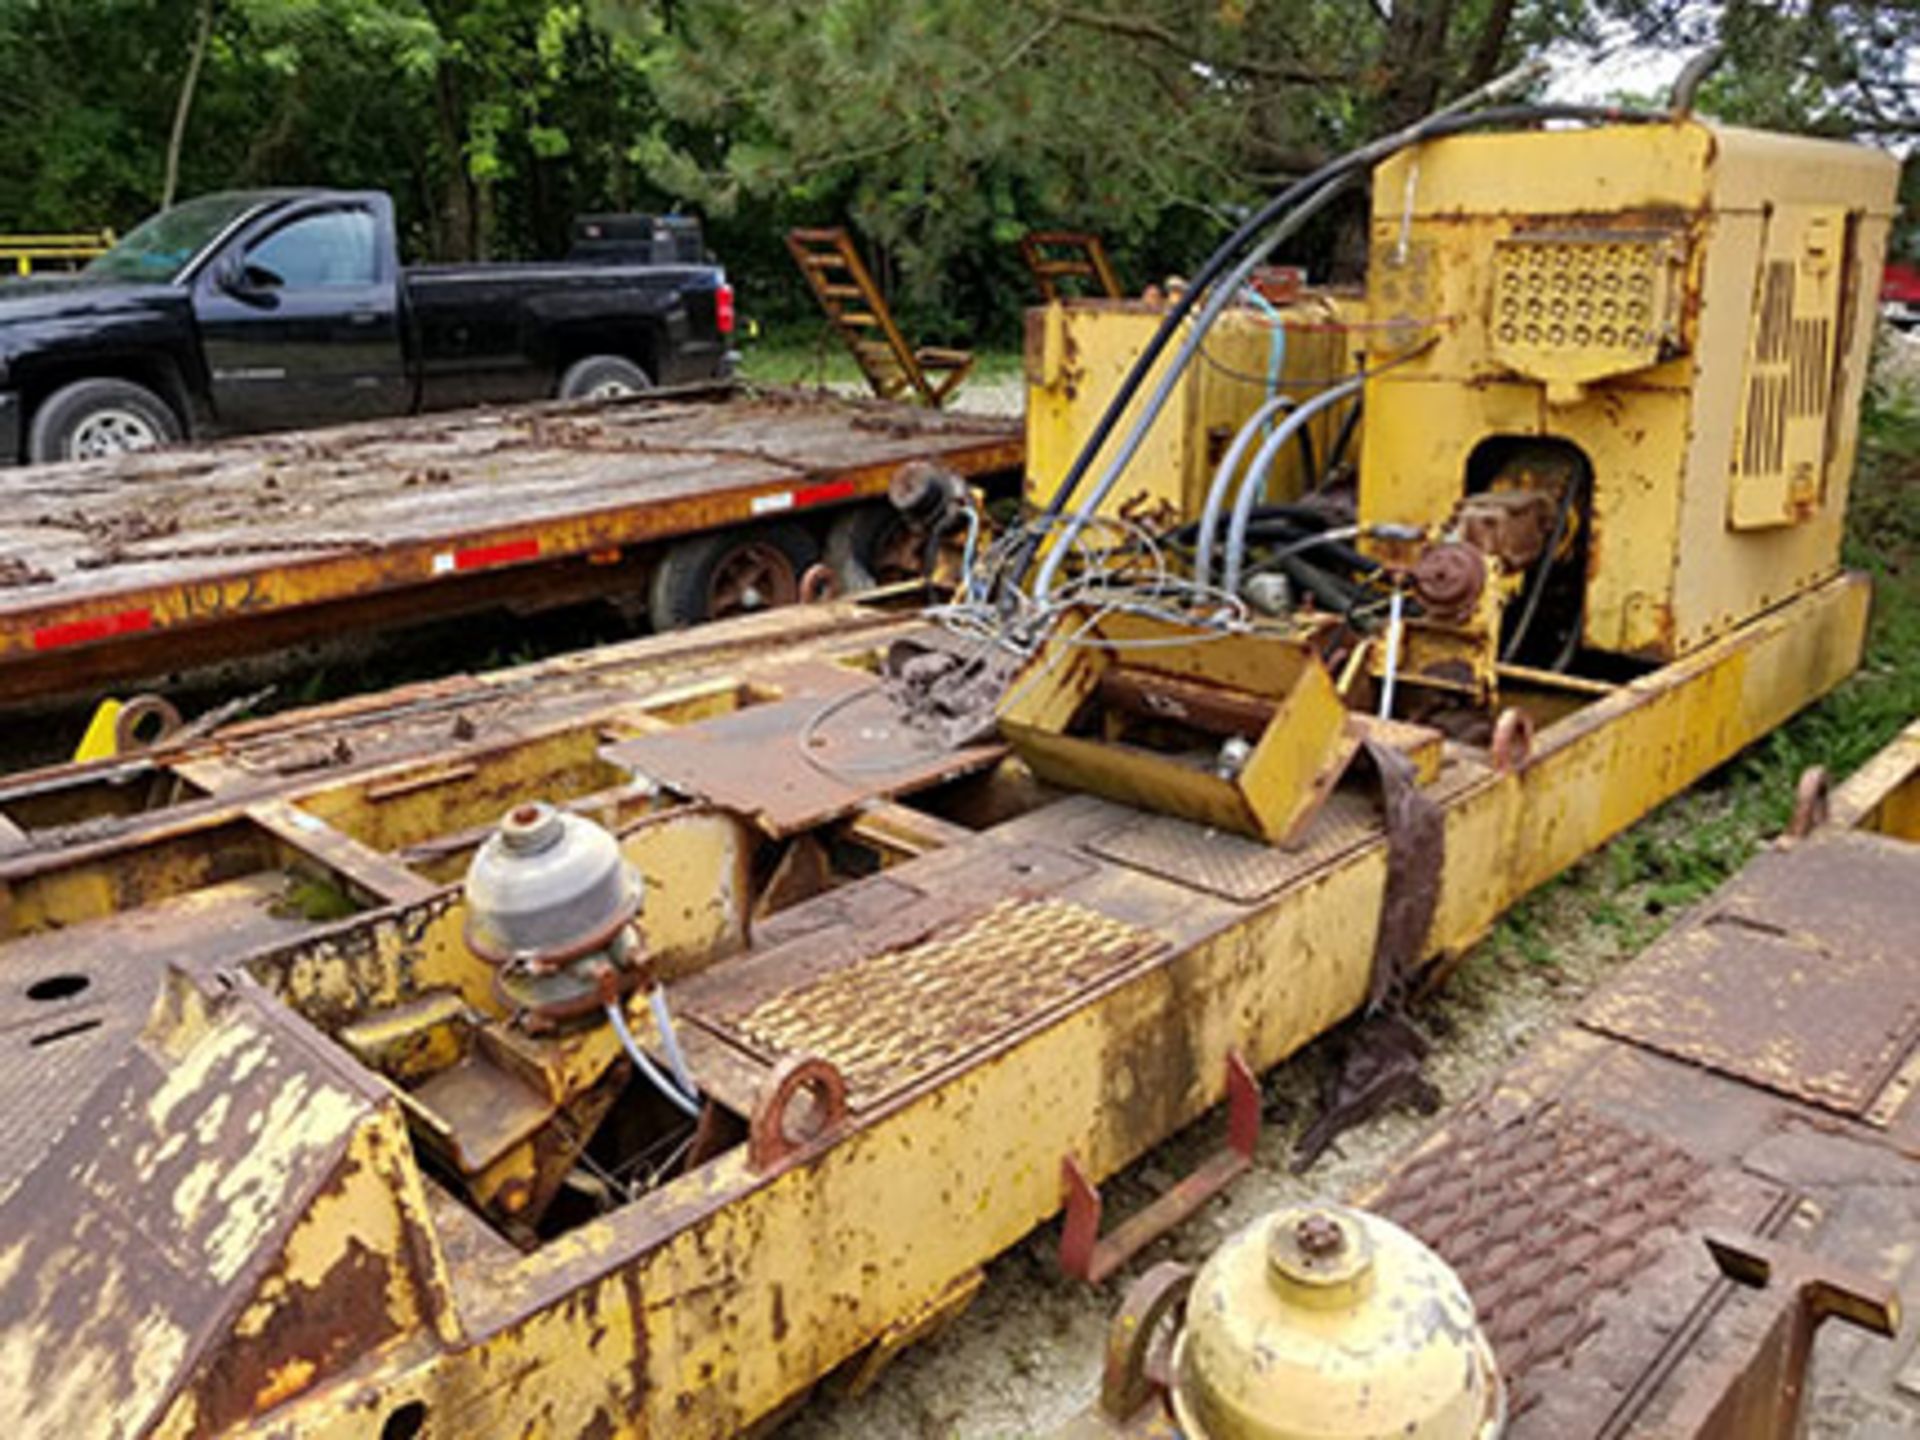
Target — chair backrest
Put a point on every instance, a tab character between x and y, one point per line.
1056	255
859	313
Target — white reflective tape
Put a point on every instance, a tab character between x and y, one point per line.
443	563
767	504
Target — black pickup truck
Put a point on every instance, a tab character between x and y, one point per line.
268	310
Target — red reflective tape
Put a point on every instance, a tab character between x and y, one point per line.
101	627
821	494
505	553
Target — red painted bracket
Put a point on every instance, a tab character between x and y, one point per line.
1086	1255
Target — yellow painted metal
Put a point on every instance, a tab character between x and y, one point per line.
715	1299
1594	287
1298	1329
1884	794
101	738
66	251
318	1280
1078	351
1295	760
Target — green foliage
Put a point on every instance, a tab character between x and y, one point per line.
941	129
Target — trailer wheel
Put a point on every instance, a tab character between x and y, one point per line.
875	545
603	377
97	419
735	572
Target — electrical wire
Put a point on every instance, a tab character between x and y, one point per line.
670	1042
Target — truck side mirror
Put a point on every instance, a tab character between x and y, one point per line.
250	284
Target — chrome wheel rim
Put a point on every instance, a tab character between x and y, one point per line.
610	390
106	433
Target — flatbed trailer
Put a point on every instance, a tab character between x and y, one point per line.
260	1228
149	565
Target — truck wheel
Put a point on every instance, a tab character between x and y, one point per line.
96	419
736	572
873	545
602	377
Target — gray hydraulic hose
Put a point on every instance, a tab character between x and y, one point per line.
1222	295
670	1091
670	1042
1223	481
1256	481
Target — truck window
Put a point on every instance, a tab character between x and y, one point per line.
334	247
159	248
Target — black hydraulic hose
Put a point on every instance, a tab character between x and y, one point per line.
1339	596
1342	438
1335	550
1224	255
1543	569
1303	517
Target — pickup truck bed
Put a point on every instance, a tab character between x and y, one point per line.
118	570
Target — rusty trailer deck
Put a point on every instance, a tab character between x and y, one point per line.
115	571
1750	1080
246	1187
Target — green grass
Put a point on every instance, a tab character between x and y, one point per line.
1627	893
814	355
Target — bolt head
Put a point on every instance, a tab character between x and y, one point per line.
1319	1236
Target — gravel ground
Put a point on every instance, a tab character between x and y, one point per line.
1026	1355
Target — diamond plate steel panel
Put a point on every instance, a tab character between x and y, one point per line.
1575	1237
1247	871
890	1019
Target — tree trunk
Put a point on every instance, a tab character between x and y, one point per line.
176	140
454	222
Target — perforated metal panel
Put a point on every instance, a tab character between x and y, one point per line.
1576	306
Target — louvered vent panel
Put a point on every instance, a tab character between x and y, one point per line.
1779	454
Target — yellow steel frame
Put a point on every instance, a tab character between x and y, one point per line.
717	1299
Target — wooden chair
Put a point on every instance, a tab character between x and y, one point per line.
1056	255
857	310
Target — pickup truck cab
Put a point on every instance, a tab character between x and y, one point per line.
275	309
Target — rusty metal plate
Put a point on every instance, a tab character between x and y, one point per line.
484	1109
1575	1237
890	1019
1799	978
1232	866
795	763
72	999
1246	871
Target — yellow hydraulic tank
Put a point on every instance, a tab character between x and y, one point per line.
1690	308
1078	351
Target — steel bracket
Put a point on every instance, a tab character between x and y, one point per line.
1758	1395
1087	1255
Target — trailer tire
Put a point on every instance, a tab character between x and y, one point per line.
873	545
98	419
732	572
602	377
